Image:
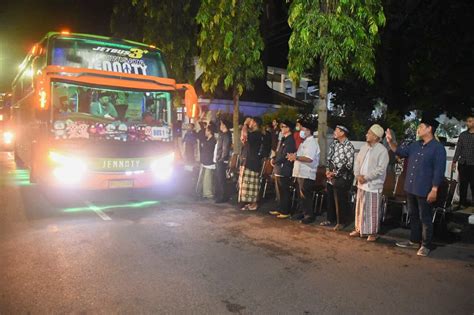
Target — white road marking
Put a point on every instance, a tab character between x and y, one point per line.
172	224
99	212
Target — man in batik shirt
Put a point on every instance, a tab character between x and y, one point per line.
340	179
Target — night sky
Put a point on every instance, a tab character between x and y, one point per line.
24	22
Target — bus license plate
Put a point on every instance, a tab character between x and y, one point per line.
126	183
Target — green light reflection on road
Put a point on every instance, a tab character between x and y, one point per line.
17	178
142	204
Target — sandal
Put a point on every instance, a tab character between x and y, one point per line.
245	208
252	208
325	223
354	234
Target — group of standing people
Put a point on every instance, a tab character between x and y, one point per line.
214	155
425	173
295	157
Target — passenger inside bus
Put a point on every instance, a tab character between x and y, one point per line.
65	105
104	107
149	119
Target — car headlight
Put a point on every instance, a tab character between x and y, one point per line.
7	137
163	167
67	169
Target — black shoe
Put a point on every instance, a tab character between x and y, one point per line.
297	217
308	220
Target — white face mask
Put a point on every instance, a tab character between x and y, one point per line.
302	134
297	128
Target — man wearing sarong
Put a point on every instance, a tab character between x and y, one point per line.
249	179
370	169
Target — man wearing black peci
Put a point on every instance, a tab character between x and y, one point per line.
283	169
425	173
340	178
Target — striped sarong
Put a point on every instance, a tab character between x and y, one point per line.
249	184
368	212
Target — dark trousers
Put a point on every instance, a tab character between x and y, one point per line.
339	210
221	182
466	178
421	217
283	185
305	194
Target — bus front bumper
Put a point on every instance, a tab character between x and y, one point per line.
107	181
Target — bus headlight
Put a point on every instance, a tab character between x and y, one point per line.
7	137
68	170
163	167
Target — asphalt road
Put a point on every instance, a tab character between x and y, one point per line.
131	253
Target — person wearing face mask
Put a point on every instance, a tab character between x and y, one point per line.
304	170
339	178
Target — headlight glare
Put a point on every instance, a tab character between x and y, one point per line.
7	137
68	170
163	167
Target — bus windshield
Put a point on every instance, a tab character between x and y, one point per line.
118	111
106	56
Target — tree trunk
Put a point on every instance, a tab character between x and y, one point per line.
235	122
323	113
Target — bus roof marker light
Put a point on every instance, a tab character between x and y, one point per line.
193	114
42	98
65	32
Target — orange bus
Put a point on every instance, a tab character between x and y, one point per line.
93	112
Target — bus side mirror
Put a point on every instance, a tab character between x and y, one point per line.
191	102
